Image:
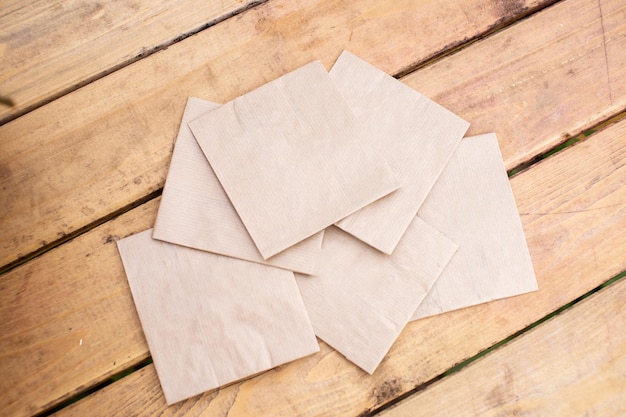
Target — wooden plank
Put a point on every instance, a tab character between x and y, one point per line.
114	137
79	293
51	47
535	84
573	365
573	211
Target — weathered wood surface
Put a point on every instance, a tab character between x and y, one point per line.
573	211
73	162
75	293
114	137
573	365
540	81
50	47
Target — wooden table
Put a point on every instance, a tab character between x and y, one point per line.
98	90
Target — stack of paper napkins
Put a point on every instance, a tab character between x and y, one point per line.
340	204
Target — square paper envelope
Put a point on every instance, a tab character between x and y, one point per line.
363	298
292	158
209	319
415	135
196	212
472	204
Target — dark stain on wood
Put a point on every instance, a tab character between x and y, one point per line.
388	391
510	7
111	238
503	393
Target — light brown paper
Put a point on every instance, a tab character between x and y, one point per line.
415	135
472	203
292	158
362	298
209	319
196	212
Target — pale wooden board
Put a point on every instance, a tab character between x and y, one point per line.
292	158
48	47
558	82
362	298
415	135
574	217
41	340
119	137
210	319
196	212
473	205
572	365
49	296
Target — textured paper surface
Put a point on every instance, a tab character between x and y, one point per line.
196	212
472	203
292	158
415	135
363	298
209	319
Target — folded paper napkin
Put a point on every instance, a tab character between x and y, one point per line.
196	212
356	183
210	320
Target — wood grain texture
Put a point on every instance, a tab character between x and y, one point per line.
415	135
79	293
472	204
210	319
293	158
573	210
362	298
573	365
196	212
547	78
114	137
61	288
49	47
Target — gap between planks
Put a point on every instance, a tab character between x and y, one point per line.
567	142
86	228
83	394
454	48
458	367
141	55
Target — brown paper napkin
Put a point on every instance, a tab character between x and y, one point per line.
472	203
415	135
363	298
196	212
292	158
209	319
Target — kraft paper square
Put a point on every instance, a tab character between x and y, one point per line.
292	158
196	212
472	203
415	135
363	298
209	319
